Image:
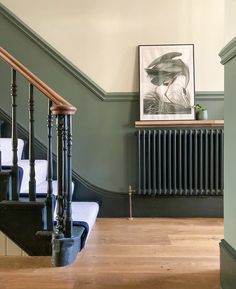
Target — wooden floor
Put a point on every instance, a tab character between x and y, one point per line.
122	254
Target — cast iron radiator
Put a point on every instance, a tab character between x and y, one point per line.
182	162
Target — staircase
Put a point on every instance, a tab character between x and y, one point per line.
37	212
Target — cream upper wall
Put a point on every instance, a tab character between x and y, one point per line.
101	36
230	20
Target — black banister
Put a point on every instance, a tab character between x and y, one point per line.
56	239
32	181
68	217
15	176
49	170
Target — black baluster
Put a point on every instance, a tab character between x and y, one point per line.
68	219
65	177
49	170
59	230
15	170
32	181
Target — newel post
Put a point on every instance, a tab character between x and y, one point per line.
68	157
62	234
59	229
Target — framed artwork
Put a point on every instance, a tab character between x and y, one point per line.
166	82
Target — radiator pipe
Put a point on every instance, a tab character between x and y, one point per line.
130	191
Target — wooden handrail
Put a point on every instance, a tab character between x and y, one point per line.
61	106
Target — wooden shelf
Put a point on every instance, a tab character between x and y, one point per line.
178	123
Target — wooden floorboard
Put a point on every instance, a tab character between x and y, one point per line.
153	253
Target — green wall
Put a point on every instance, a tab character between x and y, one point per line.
228	55
103	129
